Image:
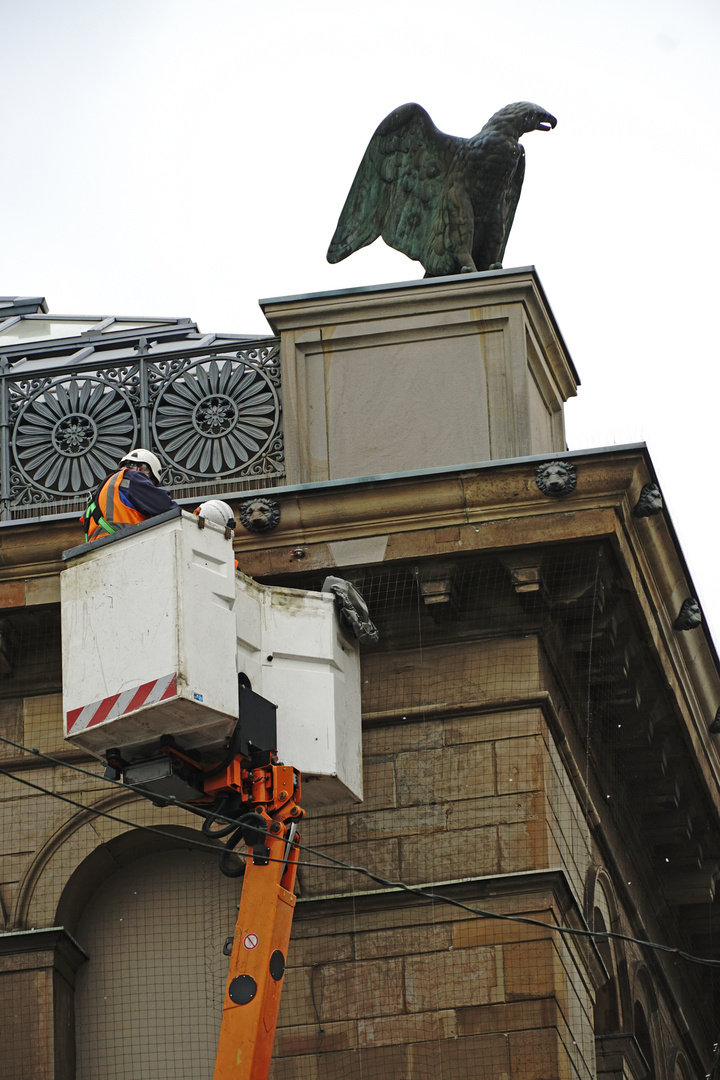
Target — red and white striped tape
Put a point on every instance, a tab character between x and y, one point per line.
119	704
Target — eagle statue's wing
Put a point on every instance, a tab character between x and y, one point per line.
397	186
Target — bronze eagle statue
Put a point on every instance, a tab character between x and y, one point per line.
445	201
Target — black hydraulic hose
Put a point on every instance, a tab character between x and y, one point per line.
221	809
232	751
227	866
252	828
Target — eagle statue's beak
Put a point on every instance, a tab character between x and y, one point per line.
548	123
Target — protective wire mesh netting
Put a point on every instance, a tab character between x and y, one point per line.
533	826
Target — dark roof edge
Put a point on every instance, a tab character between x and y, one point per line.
10	306
438	470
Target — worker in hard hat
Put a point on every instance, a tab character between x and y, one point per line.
129	496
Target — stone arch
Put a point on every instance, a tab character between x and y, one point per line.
680	1067
72	842
645	1026
602	913
119	851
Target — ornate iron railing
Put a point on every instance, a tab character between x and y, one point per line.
214	420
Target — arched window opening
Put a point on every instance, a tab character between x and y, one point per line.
607	1012
644	1040
152	991
682	1069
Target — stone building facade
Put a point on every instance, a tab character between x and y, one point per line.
535	742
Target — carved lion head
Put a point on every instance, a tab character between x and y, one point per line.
259	515
650	501
556	478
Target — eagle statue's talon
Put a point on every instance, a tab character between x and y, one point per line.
446	202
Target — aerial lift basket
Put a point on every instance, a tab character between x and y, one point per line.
156	626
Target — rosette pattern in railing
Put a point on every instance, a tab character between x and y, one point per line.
214	421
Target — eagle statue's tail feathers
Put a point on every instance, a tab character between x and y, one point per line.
339	249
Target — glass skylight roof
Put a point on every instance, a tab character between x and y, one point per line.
14	331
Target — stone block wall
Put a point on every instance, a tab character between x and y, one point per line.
468	789
474	801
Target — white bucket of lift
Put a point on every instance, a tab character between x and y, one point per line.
295	653
148	632
156	625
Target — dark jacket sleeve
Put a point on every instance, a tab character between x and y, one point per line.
145	497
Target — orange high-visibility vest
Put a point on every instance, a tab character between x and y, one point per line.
111	510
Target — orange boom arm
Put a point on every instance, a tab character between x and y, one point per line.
262	932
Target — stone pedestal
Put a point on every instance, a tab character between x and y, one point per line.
441	371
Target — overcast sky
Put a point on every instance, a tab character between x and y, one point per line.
178	158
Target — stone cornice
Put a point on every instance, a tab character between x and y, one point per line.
53	946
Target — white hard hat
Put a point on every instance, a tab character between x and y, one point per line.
217	511
146	457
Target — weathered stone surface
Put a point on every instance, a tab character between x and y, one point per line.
297	1004
26	1007
322	949
44	590
364	1062
452	979
510	1016
294	1068
531	970
483	1057
390	739
327	878
33	818
463	674
315	1039
523	846
317	832
431	859
520	764
494	810
379	781
445	775
366	988
493	725
13	866
419	1027
537	1055
487	931
43	723
387	823
12	594
403	941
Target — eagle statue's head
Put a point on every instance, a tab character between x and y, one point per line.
521	117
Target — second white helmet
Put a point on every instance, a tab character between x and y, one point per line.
144	457
218	511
